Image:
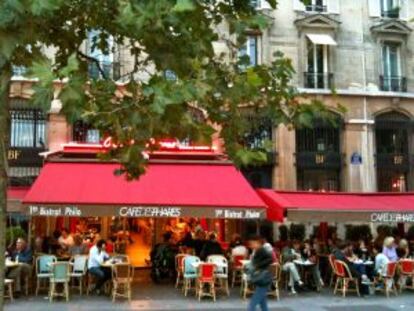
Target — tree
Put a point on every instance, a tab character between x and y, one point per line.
160	36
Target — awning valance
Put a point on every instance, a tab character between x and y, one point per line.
340	207
211	190
322	39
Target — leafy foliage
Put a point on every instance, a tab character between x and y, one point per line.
158	36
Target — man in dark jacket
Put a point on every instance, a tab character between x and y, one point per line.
211	247
22	255
259	273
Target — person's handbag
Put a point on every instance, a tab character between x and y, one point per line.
261	278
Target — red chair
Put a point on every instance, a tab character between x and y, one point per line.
388	279
206	277
236	268
406	272
344	278
179	268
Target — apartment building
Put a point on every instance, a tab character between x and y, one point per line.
355	53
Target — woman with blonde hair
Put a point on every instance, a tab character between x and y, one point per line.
403	250
389	249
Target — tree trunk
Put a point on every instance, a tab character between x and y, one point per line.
4	129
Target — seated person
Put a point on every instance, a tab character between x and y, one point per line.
344	253
78	248
23	255
403	249
97	255
211	247
389	249
381	261
199	242
238	249
309	253
289	254
65	240
361	250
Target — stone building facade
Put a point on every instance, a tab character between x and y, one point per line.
355	53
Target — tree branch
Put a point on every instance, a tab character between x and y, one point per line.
95	61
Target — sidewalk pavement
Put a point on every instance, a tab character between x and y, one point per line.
152	297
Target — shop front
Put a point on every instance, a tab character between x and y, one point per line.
177	194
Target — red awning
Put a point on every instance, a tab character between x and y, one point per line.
15	197
335	206
192	185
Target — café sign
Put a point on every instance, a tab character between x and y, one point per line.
386	217
145	211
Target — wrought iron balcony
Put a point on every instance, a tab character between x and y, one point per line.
316	8
393	13
314	80
314	159
394	161
393	84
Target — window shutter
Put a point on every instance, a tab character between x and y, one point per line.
404	10
333	6
374	8
298	5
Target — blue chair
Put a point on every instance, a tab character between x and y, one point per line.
190	272
60	274
43	270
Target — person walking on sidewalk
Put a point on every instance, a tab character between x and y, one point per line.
259	274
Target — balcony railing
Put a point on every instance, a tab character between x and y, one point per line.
394	161
111	70
314	159
393	13
393	84
316	8
318	80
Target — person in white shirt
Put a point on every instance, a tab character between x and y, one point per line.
381	261
97	255
65	240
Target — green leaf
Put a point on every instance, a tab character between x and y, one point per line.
184	5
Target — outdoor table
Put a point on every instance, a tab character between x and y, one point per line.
197	264
11	264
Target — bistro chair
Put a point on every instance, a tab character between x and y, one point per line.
344	278
122	276
205	281
179	259
276	271
221	272
190	272
406	272
60	274
79	265
43	270
387	280
236	269
8	289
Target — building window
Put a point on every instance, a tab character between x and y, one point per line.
393	162
318	157
28	128
317	75
84	133
392	79
19	71
390	8
110	68
316	6
250	49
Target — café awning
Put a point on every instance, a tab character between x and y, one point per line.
340	206
15	197
210	189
